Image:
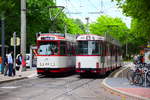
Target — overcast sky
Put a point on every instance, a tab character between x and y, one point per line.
85	8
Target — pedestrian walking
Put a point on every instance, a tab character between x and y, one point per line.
5	66
10	63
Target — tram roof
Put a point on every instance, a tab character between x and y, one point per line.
87	37
84	37
56	36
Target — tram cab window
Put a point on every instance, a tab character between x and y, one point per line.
88	48
48	48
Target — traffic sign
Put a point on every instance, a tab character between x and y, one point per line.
17	41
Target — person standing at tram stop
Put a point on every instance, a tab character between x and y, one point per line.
141	59
6	66
22	63
0	63
10	64
19	61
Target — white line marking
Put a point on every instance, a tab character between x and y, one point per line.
10	87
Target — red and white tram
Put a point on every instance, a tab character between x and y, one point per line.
55	53
96	54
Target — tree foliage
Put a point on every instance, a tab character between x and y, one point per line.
114	26
38	19
75	26
139	10
9	10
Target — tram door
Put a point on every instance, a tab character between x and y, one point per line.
102	54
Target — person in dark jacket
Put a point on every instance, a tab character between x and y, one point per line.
6	66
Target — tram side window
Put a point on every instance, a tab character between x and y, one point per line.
48	48
63	48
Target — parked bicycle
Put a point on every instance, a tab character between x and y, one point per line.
140	75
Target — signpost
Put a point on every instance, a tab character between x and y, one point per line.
15	41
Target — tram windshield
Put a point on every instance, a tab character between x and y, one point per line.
49	48
88	48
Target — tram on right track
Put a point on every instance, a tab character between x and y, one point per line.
97	54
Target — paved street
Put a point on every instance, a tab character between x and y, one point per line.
59	88
30	86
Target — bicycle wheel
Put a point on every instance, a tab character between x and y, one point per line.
148	76
137	79
130	74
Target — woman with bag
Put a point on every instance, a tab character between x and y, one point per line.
23	63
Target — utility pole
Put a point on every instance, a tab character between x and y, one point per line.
23	28
87	25
65	28
14	37
3	41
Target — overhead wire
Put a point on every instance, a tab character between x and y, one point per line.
93	4
75	8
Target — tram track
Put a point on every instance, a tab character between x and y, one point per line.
71	90
65	84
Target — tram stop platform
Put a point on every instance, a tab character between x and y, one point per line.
121	86
19	75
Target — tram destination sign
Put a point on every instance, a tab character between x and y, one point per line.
47	38
90	37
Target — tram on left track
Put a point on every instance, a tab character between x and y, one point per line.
55	53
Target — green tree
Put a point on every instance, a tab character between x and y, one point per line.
114	26
74	27
139	10
38	19
10	12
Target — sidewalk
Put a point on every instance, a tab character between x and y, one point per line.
121	86
19	75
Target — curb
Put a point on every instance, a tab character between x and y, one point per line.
106	86
20	78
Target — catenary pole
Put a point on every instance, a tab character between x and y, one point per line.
3	40
87	25
14	37
23	28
